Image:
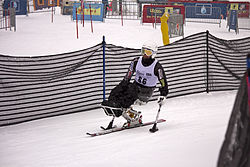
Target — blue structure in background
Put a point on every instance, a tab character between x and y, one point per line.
233	20
19	5
205	9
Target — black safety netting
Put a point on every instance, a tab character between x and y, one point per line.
44	86
204	63
40	87
235	150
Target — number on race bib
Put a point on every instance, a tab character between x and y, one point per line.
142	80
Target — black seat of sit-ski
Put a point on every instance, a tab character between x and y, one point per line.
110	103
111	109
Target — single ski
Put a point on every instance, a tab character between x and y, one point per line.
117	129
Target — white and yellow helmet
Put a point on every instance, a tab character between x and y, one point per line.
149	48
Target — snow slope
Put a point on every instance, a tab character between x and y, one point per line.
37	35
191	136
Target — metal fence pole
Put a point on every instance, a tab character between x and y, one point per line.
103	56
207	89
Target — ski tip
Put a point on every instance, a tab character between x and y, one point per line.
161	120
90	134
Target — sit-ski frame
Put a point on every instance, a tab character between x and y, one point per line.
115	112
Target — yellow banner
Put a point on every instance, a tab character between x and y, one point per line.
234	6
87	11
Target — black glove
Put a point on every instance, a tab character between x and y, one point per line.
163	91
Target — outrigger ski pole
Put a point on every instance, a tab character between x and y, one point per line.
154	128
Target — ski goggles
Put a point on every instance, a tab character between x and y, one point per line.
147	52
